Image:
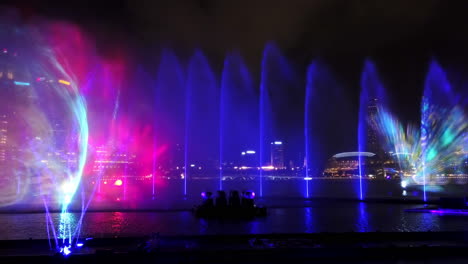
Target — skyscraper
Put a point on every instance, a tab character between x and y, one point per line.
3	137
371	129
10	97
277	154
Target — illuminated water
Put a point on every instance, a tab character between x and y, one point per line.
372	96
320	124
319	217
238	113
191	113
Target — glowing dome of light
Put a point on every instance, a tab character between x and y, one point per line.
353	154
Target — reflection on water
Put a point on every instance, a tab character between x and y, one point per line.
308	220
318	217
118	222
363	220
203	226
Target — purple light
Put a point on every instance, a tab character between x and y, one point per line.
249	195
449	211
203	194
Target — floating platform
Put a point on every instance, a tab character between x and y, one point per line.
230	212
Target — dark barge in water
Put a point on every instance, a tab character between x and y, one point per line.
237	206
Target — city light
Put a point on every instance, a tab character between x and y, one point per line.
404	184
65	250
22	83
64	82
118	183
277	143
250	152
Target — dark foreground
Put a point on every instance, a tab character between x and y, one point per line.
376	247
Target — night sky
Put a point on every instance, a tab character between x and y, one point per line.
400	36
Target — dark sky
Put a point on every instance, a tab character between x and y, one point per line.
400	35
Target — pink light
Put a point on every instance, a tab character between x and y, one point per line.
105	182
449	211
118	183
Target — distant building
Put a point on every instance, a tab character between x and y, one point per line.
249	158
346	164
371	128
3	137
277	154
14	96
112	164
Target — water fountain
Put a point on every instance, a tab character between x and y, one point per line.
430	148
202	117
325	116
215	119
372	97
168	120
277	76
238	112
437	99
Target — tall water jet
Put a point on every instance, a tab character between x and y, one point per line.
308	97
168	119
434	145
372	98
238	112
276	74
437	99
202	117
321	89
43	111
222	114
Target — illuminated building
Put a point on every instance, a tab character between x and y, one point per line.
346	164
14	95
3	137
113	164
277	154
373	144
